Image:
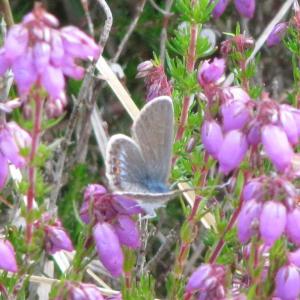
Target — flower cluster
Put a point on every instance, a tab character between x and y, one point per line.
12	139
246	8
113	227
40	54
156	81
267	201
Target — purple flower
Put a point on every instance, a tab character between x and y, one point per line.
253	190
246	8
84	292
234	93
232	151
294	257
235	115
277	146
277	34
211	71
56	239
289	124
212	137
8	259
219	8
127	231
272	213
198	278
39	52
108	248
247	219
287	282
254	134
293	225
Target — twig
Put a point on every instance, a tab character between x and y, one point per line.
85	6
166	12
7	12
130	30
163	34
107	25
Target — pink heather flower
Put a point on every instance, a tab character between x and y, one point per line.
40	53
254	134
219	8
293	225
127	231
272	213
247	220
287	282
155	79
246	8
294	257
235	115
253	190
289	124
108	248
211	71
234	94
12	138
232	151
212	137
8	258
277	34
56	239
277	146
55	108
198	278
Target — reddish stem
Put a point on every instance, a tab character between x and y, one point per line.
191	58
221	242
31	171
188	296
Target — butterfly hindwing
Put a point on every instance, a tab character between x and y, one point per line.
153	132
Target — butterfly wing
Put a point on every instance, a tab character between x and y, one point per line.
153	132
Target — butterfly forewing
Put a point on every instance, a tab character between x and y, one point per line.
125	165
153	132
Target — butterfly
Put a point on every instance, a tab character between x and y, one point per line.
139	167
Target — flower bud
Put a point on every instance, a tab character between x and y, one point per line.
219	8
232	151
287	282
211	71
249	215
246	8
277	146
293	225
127	232
108	248
272	213
277	34
212	137
8	260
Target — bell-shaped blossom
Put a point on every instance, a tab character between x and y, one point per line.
12	139
294	257
232	151
84	291
209	280
127	231
234	94
272	213
8	258
289	124
235	115
277	34
293	225
287	282
253	189
212	137
246	8
247	220
254	134
39	52
219	8
57	239
211	71
277	146
108	248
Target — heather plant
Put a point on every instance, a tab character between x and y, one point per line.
233	230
